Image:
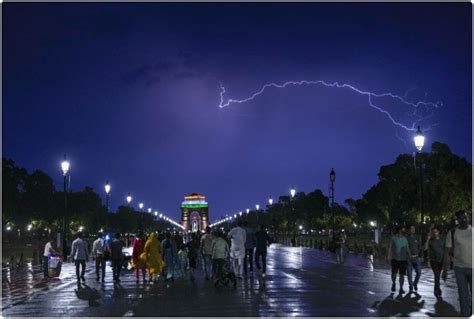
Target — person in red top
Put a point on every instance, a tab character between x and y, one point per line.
138	260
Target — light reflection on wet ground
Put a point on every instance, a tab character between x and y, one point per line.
300	282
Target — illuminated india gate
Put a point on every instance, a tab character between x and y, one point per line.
194	213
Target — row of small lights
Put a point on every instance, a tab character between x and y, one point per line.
257	207
161	216
107	187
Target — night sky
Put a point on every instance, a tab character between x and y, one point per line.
130	92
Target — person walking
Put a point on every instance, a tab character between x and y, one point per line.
98	254
206	251
153	259
414	262
398	253
340	246
138	258
193	250
220	251
80	255
170	255
237	236
459	246
48	251
262	242
435	246
249	248
116	256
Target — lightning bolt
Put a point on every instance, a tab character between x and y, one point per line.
370	97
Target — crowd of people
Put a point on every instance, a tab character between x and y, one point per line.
171	255
454	250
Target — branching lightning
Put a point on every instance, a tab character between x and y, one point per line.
370	96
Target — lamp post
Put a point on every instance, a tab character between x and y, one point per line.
257	207
332	178
141	206
419	140
129	200
293	193
270	201
65	169
107	191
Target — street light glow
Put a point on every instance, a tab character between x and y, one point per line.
248	210
107	187
156	213
65	165
372	223
270	201
293	191
301	227
419	140
149	210
129	198
257	206
140	205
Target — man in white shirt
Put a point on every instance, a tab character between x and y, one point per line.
238	237
459	245
80	254
98	254
48	250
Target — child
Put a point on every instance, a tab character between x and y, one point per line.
183	260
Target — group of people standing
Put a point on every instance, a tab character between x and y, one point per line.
167	254
406	252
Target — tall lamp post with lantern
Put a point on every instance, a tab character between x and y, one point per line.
107	192
419	140
65	168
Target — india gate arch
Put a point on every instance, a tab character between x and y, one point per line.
194	213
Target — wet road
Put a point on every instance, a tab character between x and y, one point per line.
300	282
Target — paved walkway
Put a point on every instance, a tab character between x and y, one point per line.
300	282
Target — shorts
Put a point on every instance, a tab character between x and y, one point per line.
192	262
399	266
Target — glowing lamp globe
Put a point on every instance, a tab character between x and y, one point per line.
65	165
129	198
257	206
270	201
140	205
419	140
293	191
107	187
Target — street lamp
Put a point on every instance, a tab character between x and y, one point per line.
257	206
332	178
419	140
156	213
107	191
248	210
270	201
141	206
149	210
65	168
293	191
129	199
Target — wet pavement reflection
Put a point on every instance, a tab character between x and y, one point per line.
300	282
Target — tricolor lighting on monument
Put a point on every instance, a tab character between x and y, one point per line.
194	201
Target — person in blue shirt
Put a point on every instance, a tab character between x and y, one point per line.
398	255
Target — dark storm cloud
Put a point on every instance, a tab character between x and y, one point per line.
185	66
